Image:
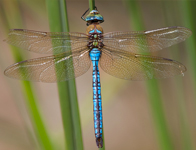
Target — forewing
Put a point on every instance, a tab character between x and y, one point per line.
126	65
54	68
46	42
146	41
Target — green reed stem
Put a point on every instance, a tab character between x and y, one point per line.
40	129
188	9
92	7
186	141
152	87
12	18
58	21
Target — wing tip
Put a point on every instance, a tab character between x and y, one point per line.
5	72
11	31
8	71
186	31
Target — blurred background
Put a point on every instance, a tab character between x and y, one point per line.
129	110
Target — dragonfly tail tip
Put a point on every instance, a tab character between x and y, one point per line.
99	142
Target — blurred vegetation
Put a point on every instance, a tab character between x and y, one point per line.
166	121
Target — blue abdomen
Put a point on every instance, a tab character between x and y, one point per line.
95	54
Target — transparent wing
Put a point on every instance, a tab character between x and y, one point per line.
130	66
146	41
46	42
52	68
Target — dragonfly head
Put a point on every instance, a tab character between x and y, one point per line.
94	17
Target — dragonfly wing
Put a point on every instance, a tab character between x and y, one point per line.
54	68
130	66
46	42
146	41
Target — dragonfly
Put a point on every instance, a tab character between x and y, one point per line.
117	53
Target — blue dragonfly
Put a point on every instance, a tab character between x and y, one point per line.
117	53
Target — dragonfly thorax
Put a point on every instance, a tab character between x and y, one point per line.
94	28
95	36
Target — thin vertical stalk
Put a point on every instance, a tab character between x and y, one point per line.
39	127
67	90
92	7
186	141
188	11
91	4
12	19
152	88
72	87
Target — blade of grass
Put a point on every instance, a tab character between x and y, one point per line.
188	10
67	90
37	121
92	4
152	87
72	87
12	18
186	143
